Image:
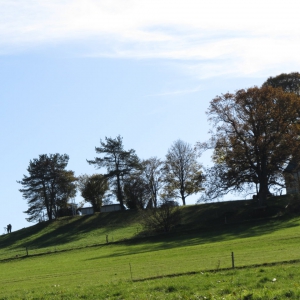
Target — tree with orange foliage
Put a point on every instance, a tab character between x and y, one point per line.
256	134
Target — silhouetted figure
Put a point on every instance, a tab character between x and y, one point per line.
9	228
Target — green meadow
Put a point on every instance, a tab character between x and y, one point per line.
108	256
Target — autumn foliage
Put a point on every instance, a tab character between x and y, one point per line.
256	133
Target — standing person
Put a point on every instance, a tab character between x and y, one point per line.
9	228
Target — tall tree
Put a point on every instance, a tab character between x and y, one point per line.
290	83
117	161
142	187
183	176
256	133
48	187
154	178
93	189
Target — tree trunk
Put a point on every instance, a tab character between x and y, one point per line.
120	194
182	197
263	184
263	193
149	204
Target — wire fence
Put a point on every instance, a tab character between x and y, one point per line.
24	251
226	262
132	268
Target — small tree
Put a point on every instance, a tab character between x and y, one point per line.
182	172
135	191
48	187
93	189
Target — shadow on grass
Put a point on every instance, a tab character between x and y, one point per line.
205	223
67	230
201	236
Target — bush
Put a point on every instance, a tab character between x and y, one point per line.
162	219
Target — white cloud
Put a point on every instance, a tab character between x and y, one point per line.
220	37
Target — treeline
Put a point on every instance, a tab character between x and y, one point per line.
135	183
255	135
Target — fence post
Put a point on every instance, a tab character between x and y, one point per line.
130	271
232	259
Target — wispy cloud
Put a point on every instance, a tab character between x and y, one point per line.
176	92
244	37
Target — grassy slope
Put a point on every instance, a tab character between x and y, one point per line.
68	233
199	243
81	231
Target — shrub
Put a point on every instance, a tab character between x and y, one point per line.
162	219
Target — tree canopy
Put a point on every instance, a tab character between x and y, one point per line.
290	83
255	136
93	189
152	172
182	172
48	187
136	193
117	161
256	133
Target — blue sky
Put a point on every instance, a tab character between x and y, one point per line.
72	72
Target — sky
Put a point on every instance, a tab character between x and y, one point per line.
74	72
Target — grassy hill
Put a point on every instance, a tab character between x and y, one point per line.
78	263
82	231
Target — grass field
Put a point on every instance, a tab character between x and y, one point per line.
76	262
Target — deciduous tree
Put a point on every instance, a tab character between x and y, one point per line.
182	172
136	191
154	178
256	133
93	189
